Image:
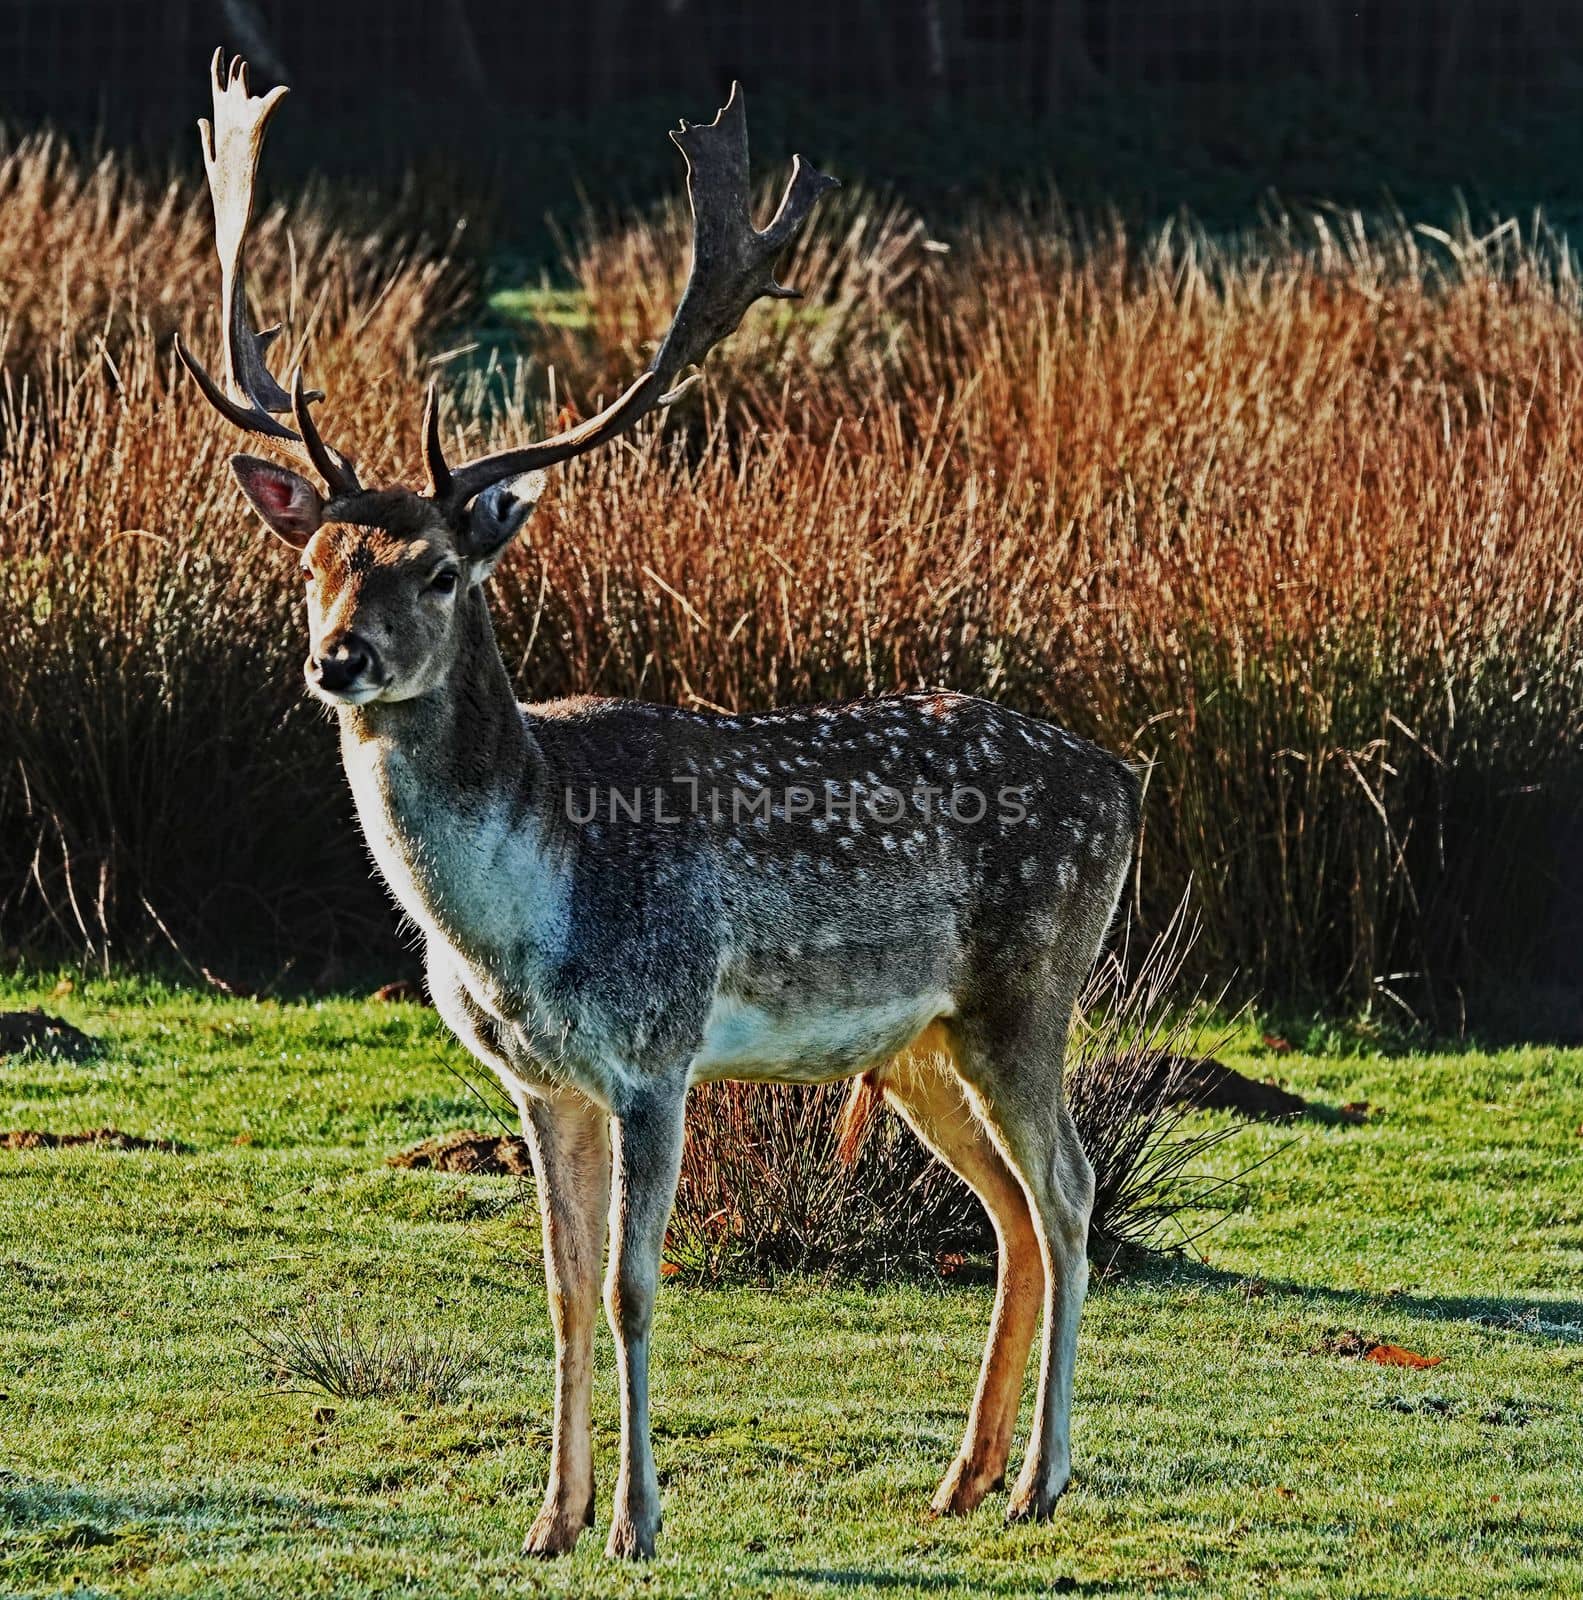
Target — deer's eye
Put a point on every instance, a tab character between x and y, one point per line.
444	581
307	572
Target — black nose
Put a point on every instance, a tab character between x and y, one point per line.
343	663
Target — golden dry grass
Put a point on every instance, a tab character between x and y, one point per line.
1299	522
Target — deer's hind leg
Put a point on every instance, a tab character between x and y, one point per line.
1015	1076
928	1095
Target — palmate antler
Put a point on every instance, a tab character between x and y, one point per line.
232	145
732	267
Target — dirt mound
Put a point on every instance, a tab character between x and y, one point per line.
36	1030
468	1152
102	1138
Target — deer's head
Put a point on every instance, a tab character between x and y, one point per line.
387	570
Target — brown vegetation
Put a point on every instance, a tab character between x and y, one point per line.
1299	524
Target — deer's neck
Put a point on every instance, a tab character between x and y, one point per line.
450	791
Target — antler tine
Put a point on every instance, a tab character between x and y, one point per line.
251	398
328	462
433	452
732	267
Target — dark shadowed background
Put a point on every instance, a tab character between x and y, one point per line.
1143	104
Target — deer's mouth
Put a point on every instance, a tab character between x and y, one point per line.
357	695
336	688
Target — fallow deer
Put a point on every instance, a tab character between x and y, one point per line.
620	900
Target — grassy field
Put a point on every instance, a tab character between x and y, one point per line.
1223	1447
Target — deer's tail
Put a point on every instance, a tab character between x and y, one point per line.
863	1101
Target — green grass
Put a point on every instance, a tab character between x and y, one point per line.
541	306
800	1427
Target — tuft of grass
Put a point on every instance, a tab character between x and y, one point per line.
764	1186
340	1357
765	1181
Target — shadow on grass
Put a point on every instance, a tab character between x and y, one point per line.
1499	1313
66	1533
66	1516
934	1582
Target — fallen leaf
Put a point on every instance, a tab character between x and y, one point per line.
1356	1111
669	1269
1393	1355
65	986
1273	1041
950	1263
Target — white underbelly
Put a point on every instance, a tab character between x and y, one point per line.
743	1040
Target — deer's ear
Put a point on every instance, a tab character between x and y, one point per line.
290	504
497	517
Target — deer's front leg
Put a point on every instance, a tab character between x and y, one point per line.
647	1161
570	1137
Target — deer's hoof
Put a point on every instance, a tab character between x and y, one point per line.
962	1490
631	1542
1035	1502
554	1533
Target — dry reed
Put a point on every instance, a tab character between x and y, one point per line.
1298	523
